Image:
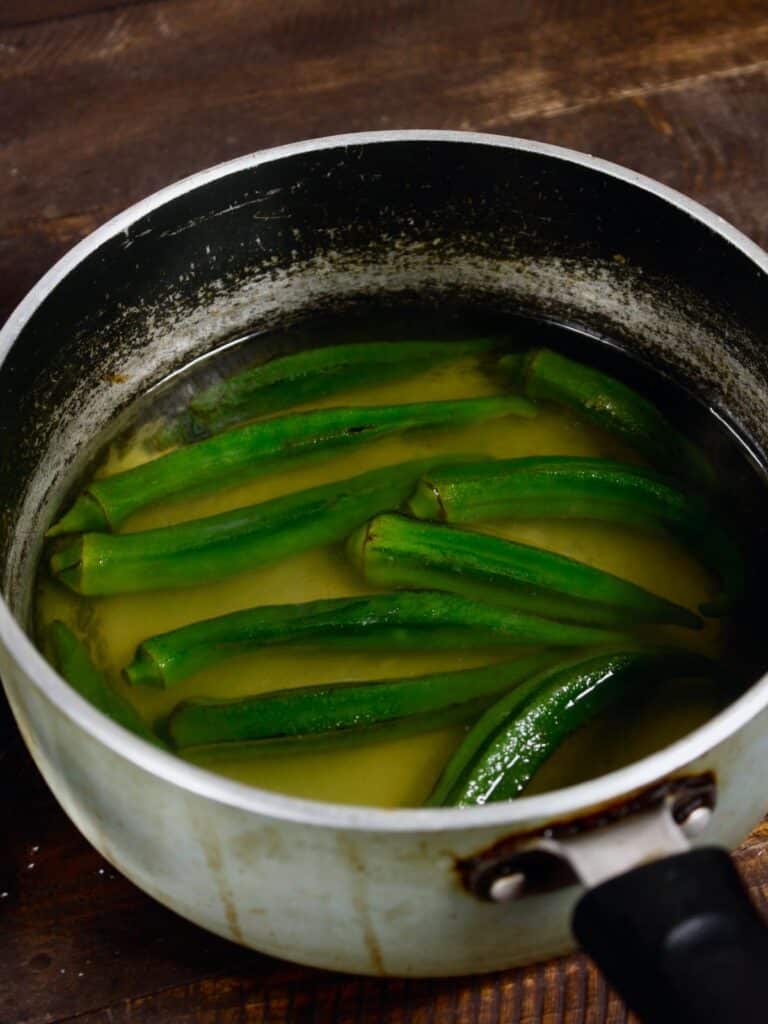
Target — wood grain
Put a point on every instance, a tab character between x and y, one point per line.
102	109
18	13
104	102
79	942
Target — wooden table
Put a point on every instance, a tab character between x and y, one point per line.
104	101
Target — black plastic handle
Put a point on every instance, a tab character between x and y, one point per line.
680	940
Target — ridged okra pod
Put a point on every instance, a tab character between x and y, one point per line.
213	548
291	380
564	487
504	749
335	709
246	452
71	658
610	404
403	621
397	551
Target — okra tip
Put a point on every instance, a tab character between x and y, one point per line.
425	502
515	364
357	543
172	433
85	514
681	616
58	637
66	565
144	671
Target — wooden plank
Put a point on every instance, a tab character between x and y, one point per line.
15	13
324	1000
706	139
157	91
78	942
100	108
128	118
74	934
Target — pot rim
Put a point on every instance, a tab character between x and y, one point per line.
564	802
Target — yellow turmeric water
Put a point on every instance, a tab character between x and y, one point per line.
389	771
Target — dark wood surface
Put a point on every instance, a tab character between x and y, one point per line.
103	101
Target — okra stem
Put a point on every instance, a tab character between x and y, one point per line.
294	379
213	548
72	660
395	551
515	736
246	452
338	708
403	621
584	488
611	405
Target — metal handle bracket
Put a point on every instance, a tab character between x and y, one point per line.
656	823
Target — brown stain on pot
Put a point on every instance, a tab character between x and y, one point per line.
359	903
211	847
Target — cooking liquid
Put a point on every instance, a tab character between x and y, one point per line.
391	771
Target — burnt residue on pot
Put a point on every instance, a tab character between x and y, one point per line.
253	245
543	870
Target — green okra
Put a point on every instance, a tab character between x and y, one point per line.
70	657
555	487
303	376
504	749
402	621
222	545
335	709
245	452
610	405
396	551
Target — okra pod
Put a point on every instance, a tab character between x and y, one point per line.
404	621
246	452
71	658
301	377
338	708
555	487
395	551
502	752
610	405
213	548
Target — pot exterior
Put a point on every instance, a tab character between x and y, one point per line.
349	900
320	226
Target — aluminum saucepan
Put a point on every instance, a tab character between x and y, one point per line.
320	226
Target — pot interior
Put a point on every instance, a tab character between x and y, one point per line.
328	227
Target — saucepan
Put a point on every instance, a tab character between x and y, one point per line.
634	860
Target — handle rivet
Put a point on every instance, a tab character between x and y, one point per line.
506	887
697	821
